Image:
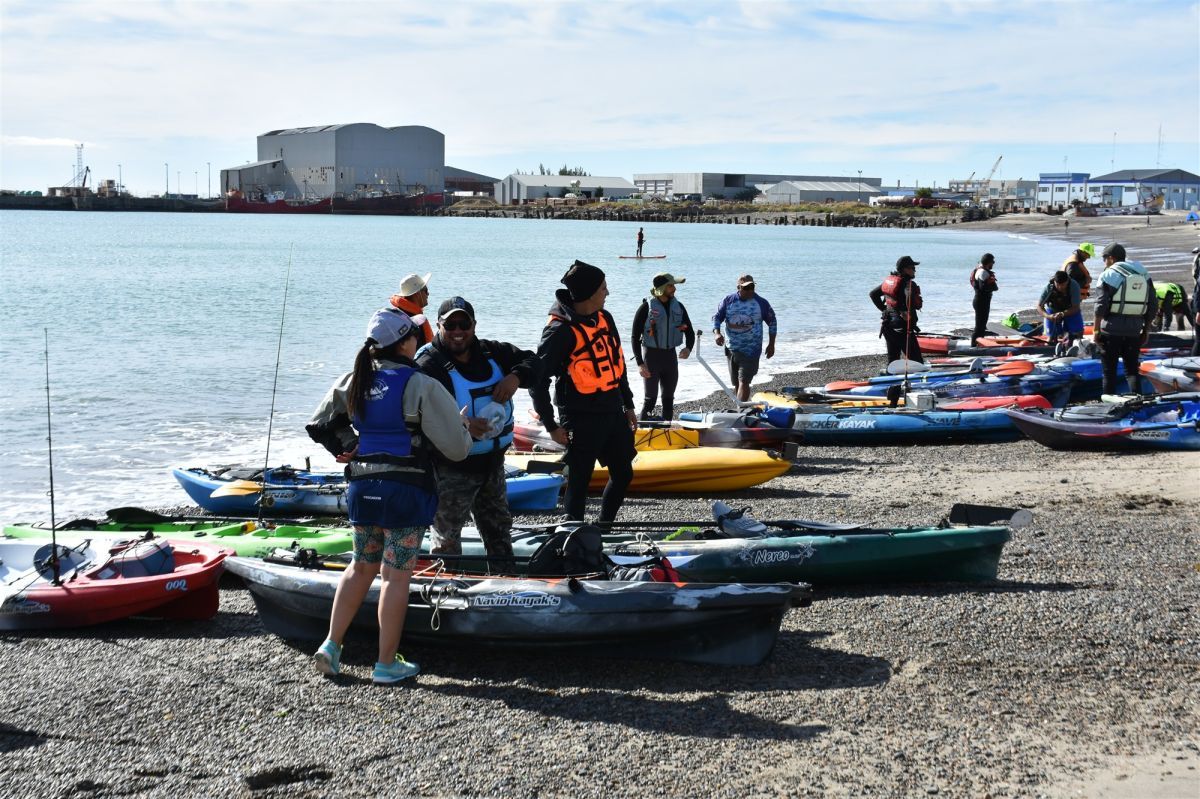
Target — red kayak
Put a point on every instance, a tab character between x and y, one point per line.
158	578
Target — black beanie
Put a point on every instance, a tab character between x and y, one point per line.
582	280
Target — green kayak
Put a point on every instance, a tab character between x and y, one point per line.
863	555
245	538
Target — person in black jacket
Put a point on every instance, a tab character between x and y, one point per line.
898	299
1196	302
581	350
983	280
482	376
660	325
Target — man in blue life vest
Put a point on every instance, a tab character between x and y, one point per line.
1124	310
660	325
581	350
744	313
482	376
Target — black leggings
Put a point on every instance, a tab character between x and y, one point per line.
983	307
664	368
1126	349
897	346
597	436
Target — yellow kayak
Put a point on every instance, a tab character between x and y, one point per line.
690	470
784	401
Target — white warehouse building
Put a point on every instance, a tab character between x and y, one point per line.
343	160
519	189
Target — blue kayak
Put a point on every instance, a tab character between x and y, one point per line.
297	492
1169	422
867	426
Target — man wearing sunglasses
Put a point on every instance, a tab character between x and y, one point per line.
482	376
743	313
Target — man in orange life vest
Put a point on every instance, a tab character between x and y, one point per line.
899	298
581	349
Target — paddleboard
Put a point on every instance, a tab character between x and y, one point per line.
641	257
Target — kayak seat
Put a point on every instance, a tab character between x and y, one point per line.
242	473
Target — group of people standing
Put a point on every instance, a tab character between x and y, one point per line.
424	419
1127	306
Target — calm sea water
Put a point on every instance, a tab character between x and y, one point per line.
163	328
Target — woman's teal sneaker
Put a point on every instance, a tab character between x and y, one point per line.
390	673
328	659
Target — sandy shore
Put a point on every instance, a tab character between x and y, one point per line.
1077	673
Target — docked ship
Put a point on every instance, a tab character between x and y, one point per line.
381	204
274	203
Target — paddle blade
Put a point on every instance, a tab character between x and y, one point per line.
901	366
238	488
1012	368
844	385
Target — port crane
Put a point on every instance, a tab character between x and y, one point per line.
981	192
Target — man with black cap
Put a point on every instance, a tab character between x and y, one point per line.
581	350
898	299
744	313
660	325
482	376
983	280
1124	310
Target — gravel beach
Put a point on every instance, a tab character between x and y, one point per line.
1076	673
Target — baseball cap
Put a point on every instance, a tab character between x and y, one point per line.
390	325
905	260
413	283
664	279
1115	250
455	305
1088	248
745	280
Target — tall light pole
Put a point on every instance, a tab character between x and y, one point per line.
208	194
120	182
167	177
860	185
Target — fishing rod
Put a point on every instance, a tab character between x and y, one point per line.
54	564
275	386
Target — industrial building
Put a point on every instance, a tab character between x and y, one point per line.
1179	189
519	189
794	192
728	185
359	159
464	183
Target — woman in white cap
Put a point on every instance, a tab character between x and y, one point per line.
382	419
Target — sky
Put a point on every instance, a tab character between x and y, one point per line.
910	92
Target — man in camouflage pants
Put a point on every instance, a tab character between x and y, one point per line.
482	376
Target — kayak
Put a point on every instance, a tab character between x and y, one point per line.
1167	422
795	398
163	579
297	492
697	469
532	437
723	624
1173	374
1055	387
966	547
243	538
869	426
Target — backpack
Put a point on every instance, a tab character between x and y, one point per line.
579	550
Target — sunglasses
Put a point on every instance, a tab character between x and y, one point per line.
457	324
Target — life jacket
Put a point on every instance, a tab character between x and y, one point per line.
1169	295
412	309
383	435
1058	300
596	362
474	395
664	324
1080	274
1131	288
977	285
893	289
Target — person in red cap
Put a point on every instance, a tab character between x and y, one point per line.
581	350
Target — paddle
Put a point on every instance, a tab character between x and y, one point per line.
898	366
728	391
238	488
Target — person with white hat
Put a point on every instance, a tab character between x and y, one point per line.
383	420
412	299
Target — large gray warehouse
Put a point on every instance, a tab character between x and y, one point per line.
356	159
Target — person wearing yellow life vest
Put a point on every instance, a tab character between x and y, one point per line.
412	299
1124	310
1076	268
581	349
1172	306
